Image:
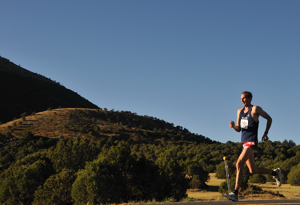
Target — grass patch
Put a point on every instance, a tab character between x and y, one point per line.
255	191
210	193
290	192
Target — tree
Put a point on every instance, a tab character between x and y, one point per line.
142	176
56	189
22	182
27	135
199	176
100	182
220	169
69	154
144	182
294	176
173	174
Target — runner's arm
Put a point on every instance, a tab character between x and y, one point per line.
236	127
265	115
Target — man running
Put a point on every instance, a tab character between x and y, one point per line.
247	122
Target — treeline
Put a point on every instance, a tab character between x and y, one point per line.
137	128
40	170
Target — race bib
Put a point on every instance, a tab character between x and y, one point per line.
244	123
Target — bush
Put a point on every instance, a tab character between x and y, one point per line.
22	182
258	178
27	135
100	183
220	170
144	181
56	190
224	187
142	176
175	182
199	177
294	176
244	184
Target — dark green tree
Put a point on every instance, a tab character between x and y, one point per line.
221	172
258	178
101	182
198	177
294	176
22	181
144	181
56	189
174	178
69	154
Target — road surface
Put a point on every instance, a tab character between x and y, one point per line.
242	202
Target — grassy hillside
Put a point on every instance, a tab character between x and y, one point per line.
132	156
24	91
97	124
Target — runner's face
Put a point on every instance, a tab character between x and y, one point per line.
245	101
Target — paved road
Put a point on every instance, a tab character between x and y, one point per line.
242	202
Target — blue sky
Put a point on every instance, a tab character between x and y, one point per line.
185	62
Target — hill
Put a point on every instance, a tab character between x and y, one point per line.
132	156
23	91
99	125
61	147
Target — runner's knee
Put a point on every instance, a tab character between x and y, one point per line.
239	164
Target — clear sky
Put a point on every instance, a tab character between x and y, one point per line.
186	62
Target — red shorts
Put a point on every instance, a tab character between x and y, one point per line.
250	144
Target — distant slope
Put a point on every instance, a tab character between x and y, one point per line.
98	125
24	91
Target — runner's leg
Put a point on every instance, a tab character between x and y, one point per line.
253	169
244	156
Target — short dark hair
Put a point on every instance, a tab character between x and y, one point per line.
247	94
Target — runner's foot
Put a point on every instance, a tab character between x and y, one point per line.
232	196
278	176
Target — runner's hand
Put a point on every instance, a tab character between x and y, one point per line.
265	138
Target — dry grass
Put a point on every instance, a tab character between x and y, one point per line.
269	191
67	122
290	192
211	193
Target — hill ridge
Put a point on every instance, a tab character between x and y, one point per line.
11	67
23	91
98	124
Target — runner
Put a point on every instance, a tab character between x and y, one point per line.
247	122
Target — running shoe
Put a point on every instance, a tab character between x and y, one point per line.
277	177
232	196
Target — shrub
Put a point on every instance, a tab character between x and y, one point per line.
220	170
175	182
56	190
22	182
27	135
258	178
199	176
224	187
294	176
100	183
